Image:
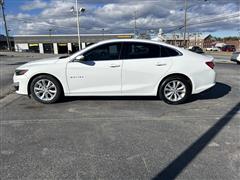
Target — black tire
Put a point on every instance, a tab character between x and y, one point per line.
238	63
57	87
184	82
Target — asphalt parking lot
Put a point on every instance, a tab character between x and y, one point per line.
123	137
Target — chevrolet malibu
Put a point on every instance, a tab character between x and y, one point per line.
118	68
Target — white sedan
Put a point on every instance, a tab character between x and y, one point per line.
236	57
118	68
213	49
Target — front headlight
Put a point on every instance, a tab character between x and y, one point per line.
19	72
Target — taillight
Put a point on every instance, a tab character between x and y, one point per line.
210	64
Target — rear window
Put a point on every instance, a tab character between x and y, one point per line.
168	52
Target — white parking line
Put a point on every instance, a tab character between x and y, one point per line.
114	119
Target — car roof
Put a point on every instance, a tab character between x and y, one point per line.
181	50
131	40
138	40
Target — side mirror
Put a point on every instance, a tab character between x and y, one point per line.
79	58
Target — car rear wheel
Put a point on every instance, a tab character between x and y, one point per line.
45	89
175	90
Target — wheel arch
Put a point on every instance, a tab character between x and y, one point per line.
40	74
177	75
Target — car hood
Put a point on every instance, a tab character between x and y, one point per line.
40	62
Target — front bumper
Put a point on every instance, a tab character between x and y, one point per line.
16	86
235	60
20	83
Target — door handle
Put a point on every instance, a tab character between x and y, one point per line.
114	65
161	64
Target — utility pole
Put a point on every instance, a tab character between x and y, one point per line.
174	34
135	23
195	34
5	24
50	37
103	33
185	23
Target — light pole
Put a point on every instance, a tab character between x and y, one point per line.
81	10
5	25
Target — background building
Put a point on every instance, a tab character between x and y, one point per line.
60	44
176	40
203	41
3	42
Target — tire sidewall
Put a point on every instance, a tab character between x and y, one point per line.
184	81
54	81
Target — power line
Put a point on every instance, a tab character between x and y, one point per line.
203	20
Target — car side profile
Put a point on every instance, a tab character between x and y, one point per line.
236	57
196	49
213	49
229	48
126	67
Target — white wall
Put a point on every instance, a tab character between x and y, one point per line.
41	48
55	48
21	46
83	45
69	46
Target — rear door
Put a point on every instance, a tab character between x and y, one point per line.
143	66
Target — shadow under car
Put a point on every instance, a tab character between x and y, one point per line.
217	91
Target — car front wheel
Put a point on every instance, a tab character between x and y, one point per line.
45	89
175	90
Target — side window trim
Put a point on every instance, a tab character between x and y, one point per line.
125	49
121	51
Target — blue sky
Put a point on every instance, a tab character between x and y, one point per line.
218	17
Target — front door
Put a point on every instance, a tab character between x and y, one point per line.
99	73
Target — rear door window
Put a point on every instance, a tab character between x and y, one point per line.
137	50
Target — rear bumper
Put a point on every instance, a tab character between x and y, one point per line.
204	88
203	81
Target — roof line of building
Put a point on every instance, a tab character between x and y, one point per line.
47	35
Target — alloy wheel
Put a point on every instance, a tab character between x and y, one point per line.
45	89
175	90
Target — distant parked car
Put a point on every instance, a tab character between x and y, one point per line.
213	49
236	57
229	48
196	49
